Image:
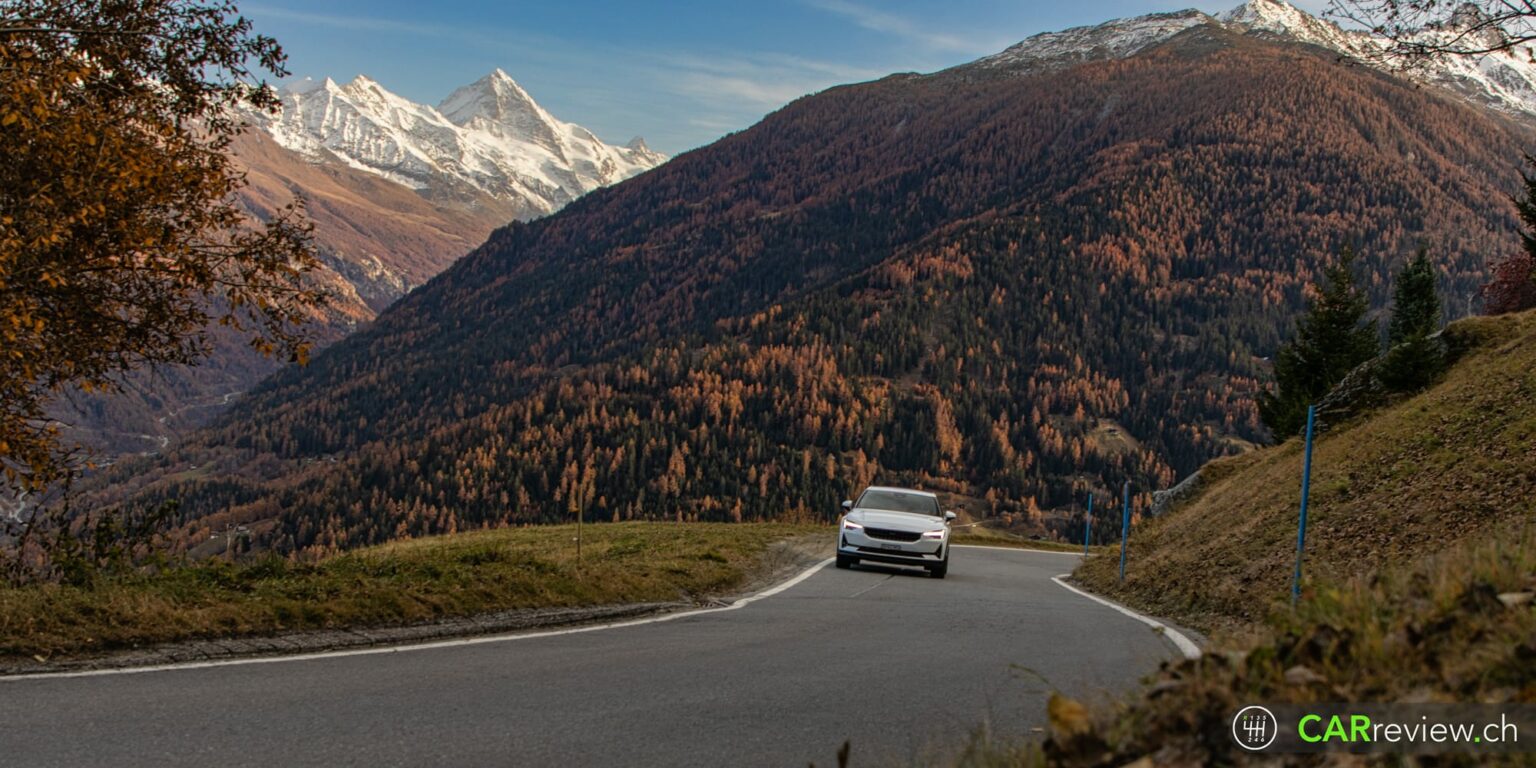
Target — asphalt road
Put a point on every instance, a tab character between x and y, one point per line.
903	665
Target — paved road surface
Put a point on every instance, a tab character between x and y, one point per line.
903	665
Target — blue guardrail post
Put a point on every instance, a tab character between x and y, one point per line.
1125	528
1306	489
1087	524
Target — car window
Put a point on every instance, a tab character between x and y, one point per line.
896	501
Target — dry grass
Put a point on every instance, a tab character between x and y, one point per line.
1421	563
1451	627
399	583
1455	463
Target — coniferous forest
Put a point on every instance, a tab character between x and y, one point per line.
1018	287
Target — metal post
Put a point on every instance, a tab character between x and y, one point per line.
1087	524
1306	490
1125	528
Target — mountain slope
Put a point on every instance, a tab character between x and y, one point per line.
382	238
1018	285
397	191
376	240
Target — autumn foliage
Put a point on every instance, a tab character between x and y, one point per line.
1513	287
1020	288
120	237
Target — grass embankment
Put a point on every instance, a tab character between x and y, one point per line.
393	584
1454	463
1458	626
1421	571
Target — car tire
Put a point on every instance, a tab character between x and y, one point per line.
940	570
844	561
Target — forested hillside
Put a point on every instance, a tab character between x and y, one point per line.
1022	286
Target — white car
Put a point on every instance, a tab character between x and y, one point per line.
897	526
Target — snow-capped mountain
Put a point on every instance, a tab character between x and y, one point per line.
489	136
1505	81
1116	39
397	191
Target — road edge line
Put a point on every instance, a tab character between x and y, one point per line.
428	646
1179	640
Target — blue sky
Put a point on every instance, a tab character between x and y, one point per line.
681	73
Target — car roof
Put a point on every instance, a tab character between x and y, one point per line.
900	490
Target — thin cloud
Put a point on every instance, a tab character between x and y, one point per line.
739	89
752	82
888	23
716	123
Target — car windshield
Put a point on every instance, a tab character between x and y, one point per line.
897	501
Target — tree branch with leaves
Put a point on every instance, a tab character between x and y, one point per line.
1424	30
121	236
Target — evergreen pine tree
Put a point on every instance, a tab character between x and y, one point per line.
1415	304
1331	340
1413	360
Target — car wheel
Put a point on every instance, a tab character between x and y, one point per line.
940	570
844	561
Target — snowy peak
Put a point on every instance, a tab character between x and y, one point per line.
1277	17
1116	39
496	97
487	137
497	104
1504	81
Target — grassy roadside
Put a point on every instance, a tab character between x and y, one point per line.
1421	576
1455	463
389	585
1458	626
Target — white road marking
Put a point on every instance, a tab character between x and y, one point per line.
1184	644
742	603
1179	640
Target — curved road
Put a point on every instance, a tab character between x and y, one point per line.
904	666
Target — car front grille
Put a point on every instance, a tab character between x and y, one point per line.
890	535
878	553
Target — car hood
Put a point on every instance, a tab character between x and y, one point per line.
896	521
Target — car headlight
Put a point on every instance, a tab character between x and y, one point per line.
851	525
939	534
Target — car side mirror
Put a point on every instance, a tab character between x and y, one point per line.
949	517
847	505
